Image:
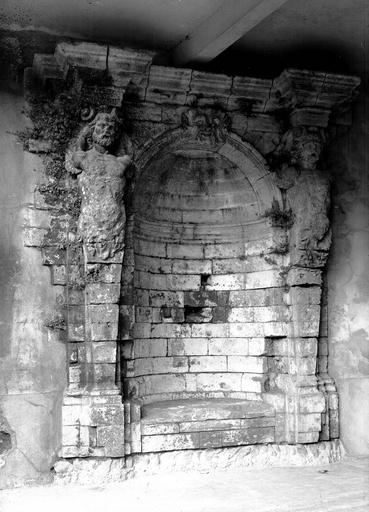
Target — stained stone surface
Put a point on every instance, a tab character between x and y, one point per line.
220	235
99	472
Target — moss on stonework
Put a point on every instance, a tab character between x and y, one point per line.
280	218
56	323
56	119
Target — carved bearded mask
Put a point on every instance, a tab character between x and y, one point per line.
309	153
105	131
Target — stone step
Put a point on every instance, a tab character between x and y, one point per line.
175	411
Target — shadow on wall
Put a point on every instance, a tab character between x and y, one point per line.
270	63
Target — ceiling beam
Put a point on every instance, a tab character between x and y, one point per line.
232	20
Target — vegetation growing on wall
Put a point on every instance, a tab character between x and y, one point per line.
278	217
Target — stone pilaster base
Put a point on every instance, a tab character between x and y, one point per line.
298	415
93	425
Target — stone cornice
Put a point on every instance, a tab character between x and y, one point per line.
308	96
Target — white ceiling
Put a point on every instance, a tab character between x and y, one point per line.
319	34
157	24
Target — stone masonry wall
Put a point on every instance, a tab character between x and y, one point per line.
236	119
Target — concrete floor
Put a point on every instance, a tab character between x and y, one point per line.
340	487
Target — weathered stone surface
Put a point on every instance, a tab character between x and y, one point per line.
102	471
220	285
101	224
199	410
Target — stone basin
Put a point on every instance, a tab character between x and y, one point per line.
213	423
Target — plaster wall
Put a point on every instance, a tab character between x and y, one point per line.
32	363
348	280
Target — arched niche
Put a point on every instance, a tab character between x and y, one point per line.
201	238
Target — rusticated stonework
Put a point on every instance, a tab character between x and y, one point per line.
198	320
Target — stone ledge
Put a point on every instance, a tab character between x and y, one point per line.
92	471
133	69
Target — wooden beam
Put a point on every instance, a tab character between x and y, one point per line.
232	20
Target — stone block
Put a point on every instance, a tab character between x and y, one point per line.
228	346
68	452
127	349
247	264
104	273
246	330
227	282
148	248
253	383
53	256
246	364
251	93
241	315
171	315
304	276
155	265
248	436
102	313
276	329
150	281
161	428
200	364
104	331
106	415
143	314
187	346
76	332
150	348
214	251
307	437
141	297
226	424
144	112
126	320
76	414
33	237
104	352
75	314
104	374
166	298
309	422
199	315
160	365
209	330
257	298
99	293
111	438
185	251
142	331
183	282
76	297
272	314
170	331
220	314
93	258
206	298
153	384
218	382
309	404
305	295
168	85
264	279
210	89
301	347
192	266
322	364
257	346
169	442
